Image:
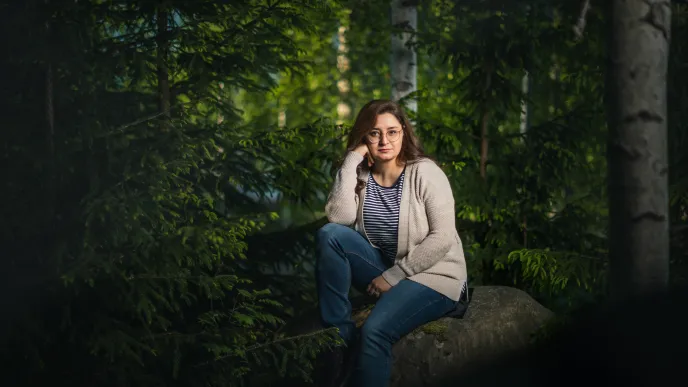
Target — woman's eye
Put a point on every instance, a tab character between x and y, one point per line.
374	134
392	132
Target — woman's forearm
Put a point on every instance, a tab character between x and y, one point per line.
341	203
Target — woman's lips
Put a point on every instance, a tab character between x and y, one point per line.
384	150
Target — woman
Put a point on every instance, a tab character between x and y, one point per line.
403	247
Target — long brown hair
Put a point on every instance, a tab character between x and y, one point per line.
411	148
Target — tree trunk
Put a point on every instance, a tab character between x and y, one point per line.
163	72
484	143
220	116
49	109
637	146
403	62
524	125
343	65
525	106
484	120
52	179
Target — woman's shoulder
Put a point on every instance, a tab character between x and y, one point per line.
427	166
430	173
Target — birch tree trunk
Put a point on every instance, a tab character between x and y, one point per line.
403	65
343	65
525	118
524	124
637	147
526	81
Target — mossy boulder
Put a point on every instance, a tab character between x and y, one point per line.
499	320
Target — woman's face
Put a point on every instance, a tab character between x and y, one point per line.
385	139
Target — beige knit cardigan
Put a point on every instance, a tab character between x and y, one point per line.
429	250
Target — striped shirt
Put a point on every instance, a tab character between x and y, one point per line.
381	215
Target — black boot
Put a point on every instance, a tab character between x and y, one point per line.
348	364
328	367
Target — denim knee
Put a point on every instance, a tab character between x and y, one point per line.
328	231
374	330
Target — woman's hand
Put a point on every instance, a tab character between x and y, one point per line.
378	286
362	149
365	152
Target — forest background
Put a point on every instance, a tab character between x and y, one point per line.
165	166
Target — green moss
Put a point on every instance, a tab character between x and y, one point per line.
435	328
368	307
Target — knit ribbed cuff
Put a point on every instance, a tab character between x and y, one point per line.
394	274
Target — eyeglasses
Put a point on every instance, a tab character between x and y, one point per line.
374	136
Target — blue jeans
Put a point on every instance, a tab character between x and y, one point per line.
346	258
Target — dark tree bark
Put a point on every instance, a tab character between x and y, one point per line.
163	72
637	147
484	142
52	179
49	109
484	121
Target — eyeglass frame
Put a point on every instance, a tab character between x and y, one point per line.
401	132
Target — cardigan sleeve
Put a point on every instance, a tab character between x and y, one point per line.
436	194
341	204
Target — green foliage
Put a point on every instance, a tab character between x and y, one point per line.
290	357
544	188
545	271
144	273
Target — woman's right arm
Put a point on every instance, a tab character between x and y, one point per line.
341	205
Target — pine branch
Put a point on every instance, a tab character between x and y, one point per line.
277	342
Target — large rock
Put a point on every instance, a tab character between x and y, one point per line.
499	320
